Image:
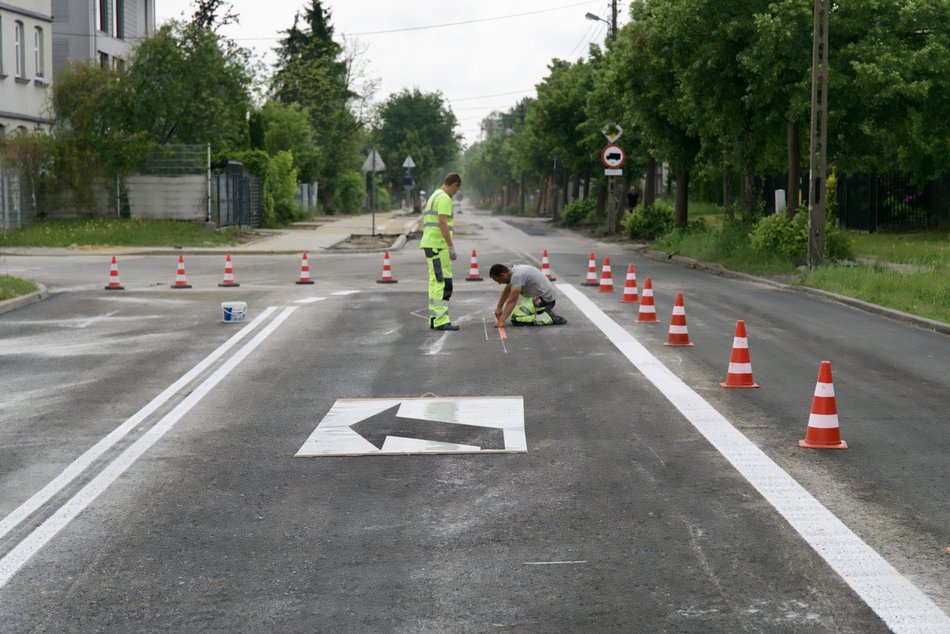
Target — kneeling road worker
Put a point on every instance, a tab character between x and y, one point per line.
528	297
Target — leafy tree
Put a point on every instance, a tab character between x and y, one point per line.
420	125
312	71
188	85
287	127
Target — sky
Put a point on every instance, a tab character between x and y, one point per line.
489	62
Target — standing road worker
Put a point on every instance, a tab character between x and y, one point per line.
438	223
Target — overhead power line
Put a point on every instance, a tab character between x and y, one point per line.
491	19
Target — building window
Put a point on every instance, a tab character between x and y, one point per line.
119	64
118	22
38	58
104	60
18	49
102	8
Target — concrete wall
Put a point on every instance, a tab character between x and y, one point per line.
177	197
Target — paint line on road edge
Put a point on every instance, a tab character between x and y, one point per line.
897	601
81	463
32	543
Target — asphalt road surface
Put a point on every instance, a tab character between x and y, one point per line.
149	476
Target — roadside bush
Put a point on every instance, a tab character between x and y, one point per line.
649	222
384	200
282	187
577	212
777	234
350	193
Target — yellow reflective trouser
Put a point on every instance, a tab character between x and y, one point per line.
440	286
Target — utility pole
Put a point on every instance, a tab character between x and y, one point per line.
818	138
613	20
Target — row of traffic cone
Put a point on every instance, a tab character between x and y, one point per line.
823	430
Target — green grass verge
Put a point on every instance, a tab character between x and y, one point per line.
11	287
909	272
119	232
924	293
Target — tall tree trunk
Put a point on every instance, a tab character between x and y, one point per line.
682	196
728	186
649	184
749	207
794	170
601	207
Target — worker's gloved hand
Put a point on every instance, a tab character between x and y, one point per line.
452	254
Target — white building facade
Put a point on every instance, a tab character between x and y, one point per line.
26	35
101	31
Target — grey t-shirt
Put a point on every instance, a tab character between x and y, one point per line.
533	283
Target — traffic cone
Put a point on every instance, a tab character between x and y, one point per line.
606	278
180	281
823	432
228	273
546	266
647	314
678	336
740	364
473	274
591	272
304	270
630	289
114	284
387	276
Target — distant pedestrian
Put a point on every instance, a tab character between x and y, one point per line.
633	197
528	297
438	224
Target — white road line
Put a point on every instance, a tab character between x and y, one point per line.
80	464
17	558
899	603
309	300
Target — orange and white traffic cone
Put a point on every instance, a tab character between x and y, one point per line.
228	273
304	270
114	284
591	272
630	288
387	276
180	280
740	364
473	274
606	278
647	313
546	266
678	335
823	431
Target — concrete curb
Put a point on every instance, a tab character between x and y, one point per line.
39	295
717	269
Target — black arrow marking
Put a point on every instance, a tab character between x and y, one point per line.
388	423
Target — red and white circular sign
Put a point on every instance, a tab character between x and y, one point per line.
613	156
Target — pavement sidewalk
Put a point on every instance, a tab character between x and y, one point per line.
315	235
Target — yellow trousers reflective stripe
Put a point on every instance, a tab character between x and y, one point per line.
440	285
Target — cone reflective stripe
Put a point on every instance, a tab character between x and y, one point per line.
606	278
823	431
114	284
630	288
387	276
647	312
740	364
546	266
591	272
678	336
180	281
473	274
304	270
228	273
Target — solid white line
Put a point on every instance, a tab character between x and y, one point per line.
16	558
80	464
899	603
553	563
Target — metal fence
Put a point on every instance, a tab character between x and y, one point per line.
236	197
16	202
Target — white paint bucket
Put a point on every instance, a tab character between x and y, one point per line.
233	311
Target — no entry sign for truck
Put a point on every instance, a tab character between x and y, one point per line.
612	156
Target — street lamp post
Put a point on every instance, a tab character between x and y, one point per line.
612	23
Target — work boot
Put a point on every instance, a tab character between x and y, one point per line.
557	320
446	326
